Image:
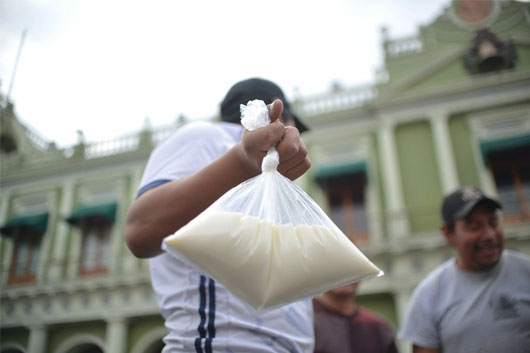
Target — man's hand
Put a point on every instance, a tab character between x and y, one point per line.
254	145
163	210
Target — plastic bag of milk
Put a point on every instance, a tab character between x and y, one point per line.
273	243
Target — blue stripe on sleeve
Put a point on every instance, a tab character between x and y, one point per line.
152	185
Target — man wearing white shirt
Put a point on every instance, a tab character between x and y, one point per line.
184	175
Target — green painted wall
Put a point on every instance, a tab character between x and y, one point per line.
452	73
4	240
15	335
462	151
139	327
523	57
53	225
419	175
381	304
122	214
59	334
402	67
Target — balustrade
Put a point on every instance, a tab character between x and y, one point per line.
335	101
403	46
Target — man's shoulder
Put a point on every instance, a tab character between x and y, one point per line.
198	133
518	259
438	274
517	256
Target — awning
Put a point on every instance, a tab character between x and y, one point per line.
36	222
325	172
487	147
105	211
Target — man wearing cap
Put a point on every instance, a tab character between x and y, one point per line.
478	301
247	90
185	174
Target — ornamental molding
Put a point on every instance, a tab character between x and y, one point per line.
78	340
482	93
148	339
341	151
55	303
500	123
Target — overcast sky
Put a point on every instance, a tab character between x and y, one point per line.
104	66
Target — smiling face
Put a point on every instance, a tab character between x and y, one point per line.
478	239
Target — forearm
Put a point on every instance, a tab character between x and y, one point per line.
163	210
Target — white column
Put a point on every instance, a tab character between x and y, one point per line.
374	217
45	260
401	298
443	148
6	257
117	240
6	196
487	182
59	256
37	339
130	264
116	337
74	253
6	245
397	221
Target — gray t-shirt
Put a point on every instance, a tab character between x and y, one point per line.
459	311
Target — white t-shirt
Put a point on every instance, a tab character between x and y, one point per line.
459	311
200	314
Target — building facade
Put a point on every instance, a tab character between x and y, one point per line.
451	107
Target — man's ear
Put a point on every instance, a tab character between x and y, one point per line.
448	234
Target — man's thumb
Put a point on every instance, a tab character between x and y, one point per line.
275	110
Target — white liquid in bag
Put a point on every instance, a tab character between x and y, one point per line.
266	264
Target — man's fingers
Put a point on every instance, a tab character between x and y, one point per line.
298	169
293	154
290	143
264	138
275	110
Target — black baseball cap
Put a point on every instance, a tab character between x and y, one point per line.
461	202
255	88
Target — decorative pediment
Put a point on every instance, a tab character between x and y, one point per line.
470	38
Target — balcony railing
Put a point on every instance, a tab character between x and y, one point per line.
127	143
338	100
106	148
403	46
